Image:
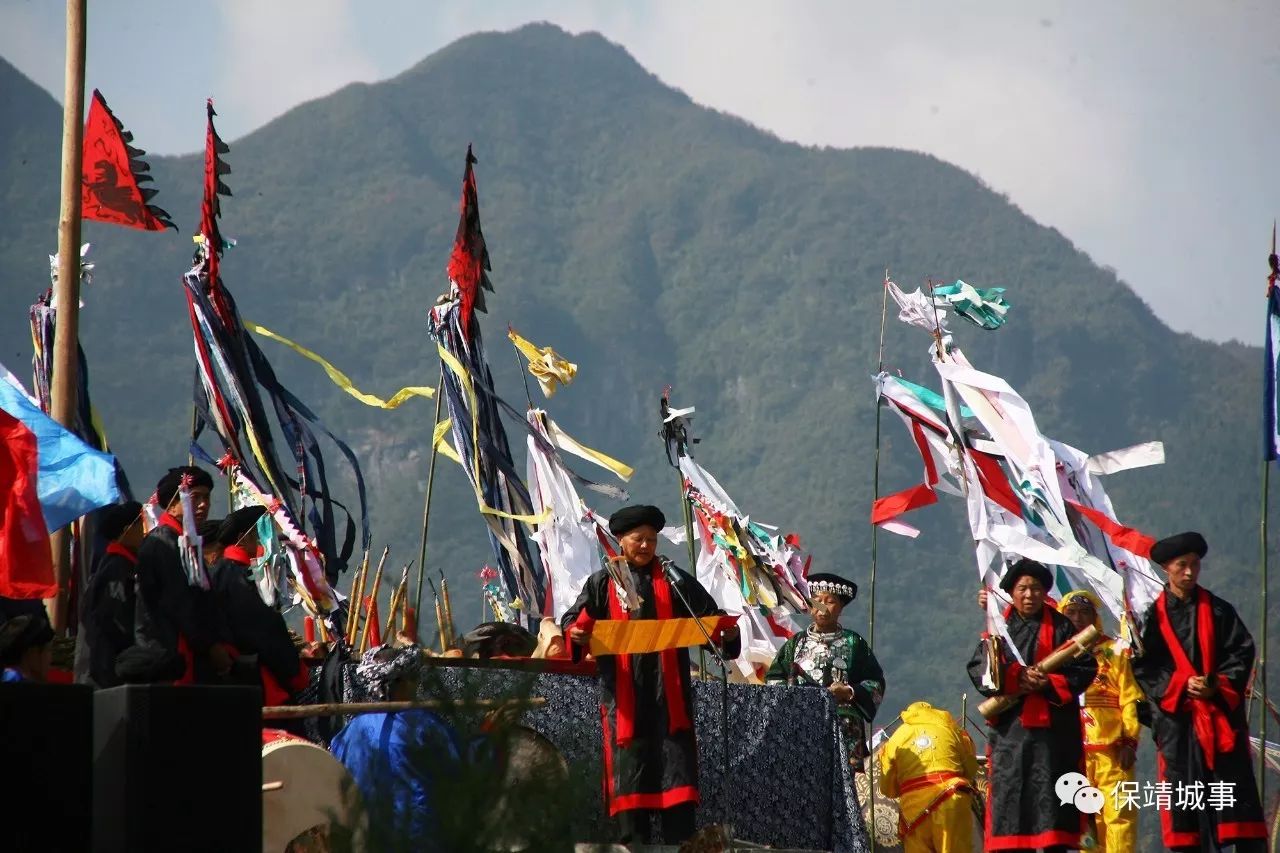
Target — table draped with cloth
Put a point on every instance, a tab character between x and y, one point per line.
790	785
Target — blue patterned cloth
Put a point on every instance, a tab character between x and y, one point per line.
789	784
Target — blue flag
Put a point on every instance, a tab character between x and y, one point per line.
1270	435
74	478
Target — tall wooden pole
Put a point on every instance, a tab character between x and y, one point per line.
67	289
1272	280
426	504
871	608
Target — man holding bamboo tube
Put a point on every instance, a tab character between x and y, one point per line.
1038	738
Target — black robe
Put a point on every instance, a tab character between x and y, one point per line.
1023	763
255	627
170	612
108	612
659	769
1180	758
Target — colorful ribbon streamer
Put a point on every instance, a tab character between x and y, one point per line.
341	379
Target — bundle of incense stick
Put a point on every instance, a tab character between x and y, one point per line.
353	602
1079	645
397	601
444	640
451	637
373	597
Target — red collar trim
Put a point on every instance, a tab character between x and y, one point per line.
121	551
236	554
170	522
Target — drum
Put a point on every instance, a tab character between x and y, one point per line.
530	761
887	815
305	792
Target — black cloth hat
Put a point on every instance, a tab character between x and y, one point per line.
1175	546
630	517
821	582
498	639
168	485
1025	567
24	632
208	529
117	518
237	524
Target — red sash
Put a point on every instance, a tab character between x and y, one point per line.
1035	706
1211	726
624	684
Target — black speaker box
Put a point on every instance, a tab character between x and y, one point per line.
46	752
177	768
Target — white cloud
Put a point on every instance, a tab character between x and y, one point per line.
1144	131
278	54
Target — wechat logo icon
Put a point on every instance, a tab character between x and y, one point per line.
1074	789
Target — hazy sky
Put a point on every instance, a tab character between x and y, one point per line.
1147	132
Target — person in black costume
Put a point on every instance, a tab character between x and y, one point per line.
650	754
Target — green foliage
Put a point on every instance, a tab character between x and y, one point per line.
653	242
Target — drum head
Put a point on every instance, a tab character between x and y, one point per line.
530	761
886	812
317	791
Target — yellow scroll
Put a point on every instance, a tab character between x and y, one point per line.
642	636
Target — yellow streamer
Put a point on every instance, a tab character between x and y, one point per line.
545	364
341	379
464	377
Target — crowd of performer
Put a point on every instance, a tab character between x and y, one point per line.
1186	679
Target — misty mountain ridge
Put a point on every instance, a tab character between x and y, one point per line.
653	242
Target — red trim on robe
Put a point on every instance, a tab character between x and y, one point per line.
1170	837
1035	706
1048	838
1238	830
1208	721
184	650
121	551
236	554
627	802
624	684
170	522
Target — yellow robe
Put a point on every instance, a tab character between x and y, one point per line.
1110	717
929	766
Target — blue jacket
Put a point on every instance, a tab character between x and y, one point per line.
395	759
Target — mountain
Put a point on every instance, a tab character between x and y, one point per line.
654	242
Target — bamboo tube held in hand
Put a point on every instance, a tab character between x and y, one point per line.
1080	644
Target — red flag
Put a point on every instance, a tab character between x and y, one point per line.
26	561
111	181
1131	539
469	261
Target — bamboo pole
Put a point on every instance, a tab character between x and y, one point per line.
64	389
1262	647
875	543
426	504
333	709
373	597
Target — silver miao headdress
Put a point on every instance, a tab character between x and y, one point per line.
840	588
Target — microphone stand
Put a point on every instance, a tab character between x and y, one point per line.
673	580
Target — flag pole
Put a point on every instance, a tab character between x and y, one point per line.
426	504
1272	278
66	336
871	607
